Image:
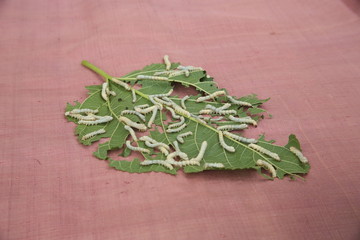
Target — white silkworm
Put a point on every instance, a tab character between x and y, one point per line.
108	92
102	119
179	154
184	163
220	111
204	118
225	106
103	91
243	120
159	100
264	151
176	73
133	95
141	77
142	117
232	127
182	135
163	94
181	111
174	130
82	117
92	134
153	116
214	165
121	83
176	146
223	144
216	119
268	166
143	106
145	110
127	121
206	111
132	132
299	154
153	141
84	110
214	94
138	149
167	62
237	102
164	151
239	138
157	144
190	68
173	114
174	125
183	101
160	162
163	72
201	153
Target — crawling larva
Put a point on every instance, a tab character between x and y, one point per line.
173	114
237	102
223	144
82	117
264	151
232	127
174	130
183	101
153	116
132	132
220	111
175	154
138	149
174	125
243	120
153	141
92	134
181	111
167	62
142	117
299	154
176	146
103	119
121	83
182	135
216	119
206	111
213	95
133	95
154	145
176	73
127	121
160	162
184	163
213	165
239	138
108	92
163	73
267	166
201	153
161	101
84	110
145	110
142	77
225	106
163	94
103	91
142	106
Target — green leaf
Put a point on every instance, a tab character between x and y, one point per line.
116	135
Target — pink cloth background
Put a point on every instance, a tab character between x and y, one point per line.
304	54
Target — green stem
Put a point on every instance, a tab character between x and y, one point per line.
96	69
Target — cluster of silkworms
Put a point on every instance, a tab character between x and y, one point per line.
90	118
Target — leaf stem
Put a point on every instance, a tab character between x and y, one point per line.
96	69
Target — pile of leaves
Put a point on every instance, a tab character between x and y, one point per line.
202	127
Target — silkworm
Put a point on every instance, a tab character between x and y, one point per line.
108	92
237	102
299	154
206	111
183	101
153	141
185	70
163	94
204	118
173	114
156	144
181	111
214	94
223	144
132	132
145	110
81	117
103	119
84	110
133	93
232	127
174	125
220	111
141	77
142	117
153	116
167	62
239	138
225	106
92	134
164	151
183	163
190	68
163	72
214	165
142	106
182	135
176	146
159	100
138	149
264	151
243	120
103	91
216	119
174	130
121	83
179	154
267	166
127	121
176	73
201	153
160	162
